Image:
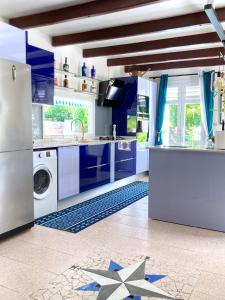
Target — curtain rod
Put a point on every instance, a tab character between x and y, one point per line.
156	77
180	75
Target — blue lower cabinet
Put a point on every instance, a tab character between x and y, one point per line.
125	150
94	166
93	177
94	155
125	168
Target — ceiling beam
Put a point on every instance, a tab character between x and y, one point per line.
132	60
187	20
90	9
177	65
153	45
213	18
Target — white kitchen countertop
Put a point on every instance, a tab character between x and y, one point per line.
66	142
183	148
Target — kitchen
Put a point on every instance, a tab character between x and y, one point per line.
117	135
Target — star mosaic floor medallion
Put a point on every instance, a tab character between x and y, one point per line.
118	283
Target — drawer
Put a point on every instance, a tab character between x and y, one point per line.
94	177
125	150
94	155
125	168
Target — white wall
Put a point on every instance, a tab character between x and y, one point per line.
74	54
3	20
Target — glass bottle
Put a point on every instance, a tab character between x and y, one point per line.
65	82
93	72
93	87
84	86
56	81
65	65
84	70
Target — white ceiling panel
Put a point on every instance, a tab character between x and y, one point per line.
163	9
17	8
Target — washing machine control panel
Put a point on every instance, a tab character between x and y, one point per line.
45	154
48	154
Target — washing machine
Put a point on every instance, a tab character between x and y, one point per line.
45	182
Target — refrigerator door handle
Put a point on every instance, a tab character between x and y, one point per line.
14	72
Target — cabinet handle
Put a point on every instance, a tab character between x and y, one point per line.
97	166
14	72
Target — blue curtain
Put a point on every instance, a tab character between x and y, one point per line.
208	83
161	108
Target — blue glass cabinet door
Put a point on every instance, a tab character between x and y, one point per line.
125	168
125	159
12	43
125	115
125	150
93	177
94	166
42	71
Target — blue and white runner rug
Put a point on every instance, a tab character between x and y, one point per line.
82	215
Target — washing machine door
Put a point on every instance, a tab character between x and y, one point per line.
42	182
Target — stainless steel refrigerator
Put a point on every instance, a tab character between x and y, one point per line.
16	162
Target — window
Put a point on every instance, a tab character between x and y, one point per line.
57	119
182	121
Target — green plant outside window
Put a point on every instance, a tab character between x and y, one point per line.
55	118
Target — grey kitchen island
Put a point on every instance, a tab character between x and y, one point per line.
187	186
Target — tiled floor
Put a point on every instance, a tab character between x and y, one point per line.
41	263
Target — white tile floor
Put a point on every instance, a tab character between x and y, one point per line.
36	264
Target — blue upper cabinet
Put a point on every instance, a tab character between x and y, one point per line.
42	70
12	43
125	116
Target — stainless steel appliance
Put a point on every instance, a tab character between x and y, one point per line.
16	171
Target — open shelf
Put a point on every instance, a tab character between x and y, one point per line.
76	76
64	89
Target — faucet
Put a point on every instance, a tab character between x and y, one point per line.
82	127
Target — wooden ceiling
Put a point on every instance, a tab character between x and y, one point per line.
209	56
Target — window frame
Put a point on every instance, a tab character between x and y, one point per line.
182	83
91	119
